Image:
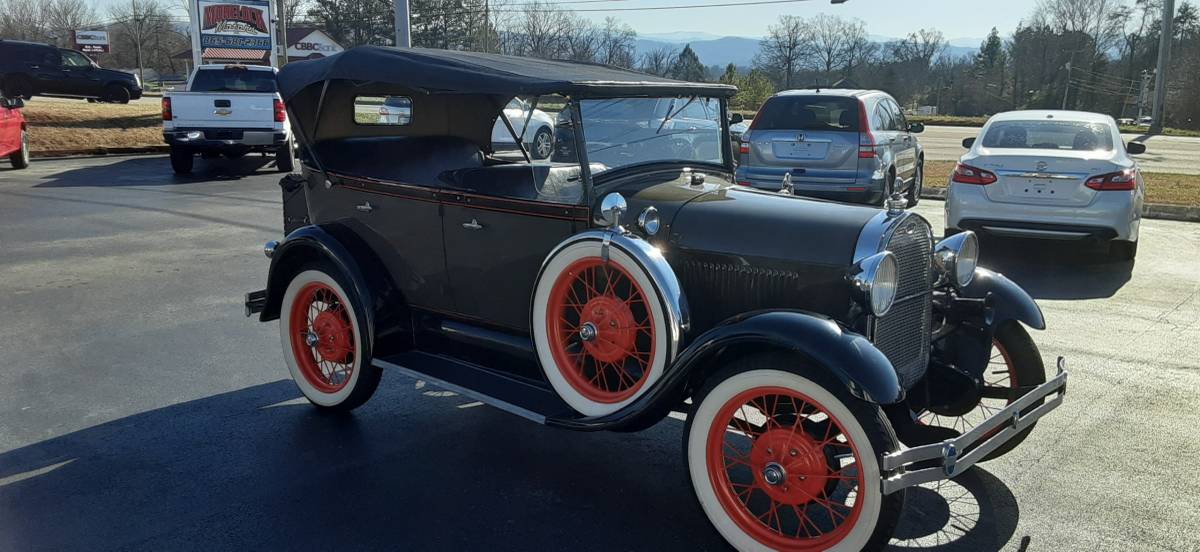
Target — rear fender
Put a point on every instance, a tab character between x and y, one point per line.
1009	300
355	260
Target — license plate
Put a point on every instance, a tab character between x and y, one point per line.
801	150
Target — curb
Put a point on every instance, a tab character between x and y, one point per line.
1150	210
98	152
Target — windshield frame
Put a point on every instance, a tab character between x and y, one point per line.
602	179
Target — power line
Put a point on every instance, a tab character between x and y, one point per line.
621	9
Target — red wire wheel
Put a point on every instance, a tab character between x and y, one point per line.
601	330
322	337
1000	388
784	469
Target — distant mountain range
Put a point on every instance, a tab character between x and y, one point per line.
739	50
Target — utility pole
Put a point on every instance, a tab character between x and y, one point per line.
403	37
1164	57
1143	95
281	21
1067	92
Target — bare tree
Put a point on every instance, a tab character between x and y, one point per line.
783	49
542	27
658	61
64	16
833	42
23	19
580	40
921	47
616	43
138	23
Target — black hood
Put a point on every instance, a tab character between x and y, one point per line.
749	223
115	75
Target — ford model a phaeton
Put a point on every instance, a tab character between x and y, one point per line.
827	356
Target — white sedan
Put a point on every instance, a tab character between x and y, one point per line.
538	136
1060	175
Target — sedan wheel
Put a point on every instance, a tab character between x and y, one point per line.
20	158
543	143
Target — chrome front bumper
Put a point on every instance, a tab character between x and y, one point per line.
949	452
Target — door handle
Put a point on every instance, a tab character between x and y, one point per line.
473	225
366	207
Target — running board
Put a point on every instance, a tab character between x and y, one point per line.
511	394
949	453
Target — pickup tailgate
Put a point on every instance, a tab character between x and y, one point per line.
244	110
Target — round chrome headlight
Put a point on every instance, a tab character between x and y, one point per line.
874	280
956	258
648	221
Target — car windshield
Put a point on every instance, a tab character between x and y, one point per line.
234	79
629	131
814	113
1055	135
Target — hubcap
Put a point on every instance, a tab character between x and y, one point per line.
773	474
323	344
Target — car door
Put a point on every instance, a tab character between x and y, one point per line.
498	231
906	143
10	134
47	72
81	78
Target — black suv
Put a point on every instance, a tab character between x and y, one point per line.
29	68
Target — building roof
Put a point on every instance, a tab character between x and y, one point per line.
296	34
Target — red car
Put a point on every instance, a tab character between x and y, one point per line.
14	139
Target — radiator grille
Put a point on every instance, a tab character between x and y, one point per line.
903	334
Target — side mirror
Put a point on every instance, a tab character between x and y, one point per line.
611	208
1135	148
916	128
736	118
968	142
13	103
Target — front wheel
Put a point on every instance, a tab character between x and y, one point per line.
781	462
543	143
20	158
328	355
115	93
914	191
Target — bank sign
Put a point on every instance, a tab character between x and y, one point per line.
243	24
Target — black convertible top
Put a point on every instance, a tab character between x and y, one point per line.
446	71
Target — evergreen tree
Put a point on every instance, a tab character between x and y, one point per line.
687	66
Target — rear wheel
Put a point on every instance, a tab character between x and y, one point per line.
543	143
914	191
285	157
20	158
18	86
779	461
181	160
321	327
1122	250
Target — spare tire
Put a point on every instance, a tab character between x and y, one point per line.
605	326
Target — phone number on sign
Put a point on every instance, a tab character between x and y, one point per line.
243	42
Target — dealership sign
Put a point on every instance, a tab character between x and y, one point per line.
92	42
243	24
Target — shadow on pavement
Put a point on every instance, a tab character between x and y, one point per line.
416	469
156	171
1057	270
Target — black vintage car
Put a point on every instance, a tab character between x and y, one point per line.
827	356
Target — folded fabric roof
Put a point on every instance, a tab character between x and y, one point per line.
450	72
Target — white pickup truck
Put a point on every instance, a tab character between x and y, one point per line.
227	110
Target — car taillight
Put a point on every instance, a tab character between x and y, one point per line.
280	113
966	174
1114	182
866	141
166	109
744	148
743	183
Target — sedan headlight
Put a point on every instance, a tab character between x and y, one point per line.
956	258
874	282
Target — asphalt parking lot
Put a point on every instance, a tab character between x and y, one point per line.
141	410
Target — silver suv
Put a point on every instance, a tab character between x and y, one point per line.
847	145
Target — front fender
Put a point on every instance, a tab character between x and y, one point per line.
305	245
849	357
1009	300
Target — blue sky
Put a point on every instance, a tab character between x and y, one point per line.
894	18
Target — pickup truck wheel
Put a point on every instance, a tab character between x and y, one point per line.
1014	364
320	325
116	93
20	158
285	157
779	461
182	160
